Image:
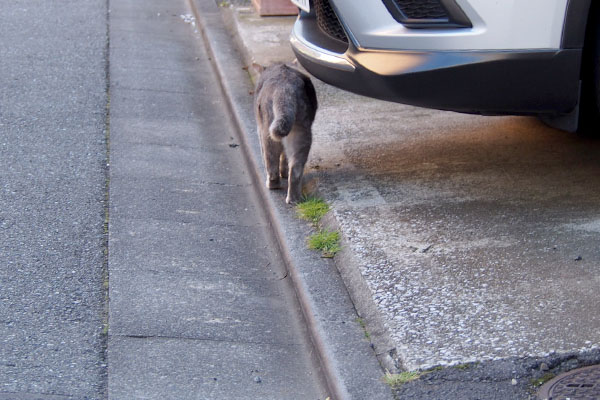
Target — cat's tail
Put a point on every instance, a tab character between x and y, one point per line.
284	116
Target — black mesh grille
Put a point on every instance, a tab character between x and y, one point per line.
422	9
328	21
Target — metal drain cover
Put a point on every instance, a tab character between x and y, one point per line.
579	384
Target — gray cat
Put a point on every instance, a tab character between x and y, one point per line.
285	105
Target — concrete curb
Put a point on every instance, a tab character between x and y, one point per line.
349	364
349	270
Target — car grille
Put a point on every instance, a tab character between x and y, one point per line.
328	21
422	9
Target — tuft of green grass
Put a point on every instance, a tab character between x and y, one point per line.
325	241
312	209
396	380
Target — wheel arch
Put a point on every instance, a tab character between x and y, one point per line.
577	17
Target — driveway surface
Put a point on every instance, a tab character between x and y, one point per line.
478	237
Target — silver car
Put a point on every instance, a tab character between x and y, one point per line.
491	57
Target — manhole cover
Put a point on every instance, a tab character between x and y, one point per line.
579	384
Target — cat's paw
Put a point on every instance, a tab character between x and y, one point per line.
291	200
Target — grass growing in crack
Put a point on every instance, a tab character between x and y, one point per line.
325	241
463	367
540	381
396	380
312	209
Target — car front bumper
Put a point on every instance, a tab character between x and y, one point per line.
483	82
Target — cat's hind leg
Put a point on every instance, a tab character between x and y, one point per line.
297	150
272	154
294	194
283	166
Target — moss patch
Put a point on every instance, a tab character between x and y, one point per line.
363	325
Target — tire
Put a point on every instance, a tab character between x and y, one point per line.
589	109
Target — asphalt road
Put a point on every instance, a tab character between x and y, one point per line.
52	199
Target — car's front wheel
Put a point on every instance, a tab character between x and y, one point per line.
589	109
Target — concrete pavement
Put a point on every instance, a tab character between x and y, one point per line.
201	305
468	241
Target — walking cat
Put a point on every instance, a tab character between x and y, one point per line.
285	105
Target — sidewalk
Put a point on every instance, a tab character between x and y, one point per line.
200	304
452	260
